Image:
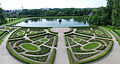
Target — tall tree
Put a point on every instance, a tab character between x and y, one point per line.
2	16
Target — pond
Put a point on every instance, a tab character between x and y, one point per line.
52	22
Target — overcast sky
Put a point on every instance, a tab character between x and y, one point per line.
37	4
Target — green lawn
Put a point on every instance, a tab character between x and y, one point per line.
91	46
20	33
1	32
76	39
15	20
44	40
29	47
87	31
118	31
33	32
99	32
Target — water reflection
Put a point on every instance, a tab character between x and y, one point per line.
54	22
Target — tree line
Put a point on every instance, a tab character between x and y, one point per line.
109	15
53	12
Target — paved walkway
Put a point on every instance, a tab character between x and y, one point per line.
5	57
111	58
61	55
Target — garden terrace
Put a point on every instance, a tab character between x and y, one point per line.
32	44
87	44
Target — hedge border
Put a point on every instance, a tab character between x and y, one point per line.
69	56
56	41
66	42
19	58
71	30
52	58
52	31
97	57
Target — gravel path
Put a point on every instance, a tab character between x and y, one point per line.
5	57
111	58
61	55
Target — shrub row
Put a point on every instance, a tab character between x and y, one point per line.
71	42
3	33
69	56
50	42
106	32
77	49
116	32
86	33
56	41
84	27
83	56
69	31
52	58
97	57
44	50
41	59
66	42
52	31
16	39
19	58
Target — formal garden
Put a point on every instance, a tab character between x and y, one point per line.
33	45
87	44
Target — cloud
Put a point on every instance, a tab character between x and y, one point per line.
37	4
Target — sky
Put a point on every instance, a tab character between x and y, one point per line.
37	4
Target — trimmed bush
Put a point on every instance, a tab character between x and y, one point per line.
69	31
44	50
69	56
56	41
66	42
52	31
97	57
83	56
19	58
77	49
52	58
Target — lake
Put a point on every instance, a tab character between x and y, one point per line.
52	22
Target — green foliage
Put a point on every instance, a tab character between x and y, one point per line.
83	56
29	47
97	57
69	56
56	41
50	42
76	39
82	42
44	50
91	46
52	58
41	59
71	42
19	57
109	15
18	49
52	31
69	31
44	40
2	17
38	43
66	41
55	12
77	49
